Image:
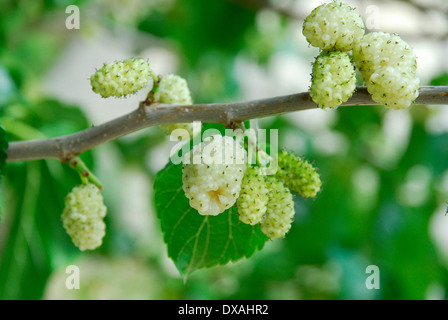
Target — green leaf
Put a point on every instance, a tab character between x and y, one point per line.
440	79
195	241
186	20
3	156
8	89
35	242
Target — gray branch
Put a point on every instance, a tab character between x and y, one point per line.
68	146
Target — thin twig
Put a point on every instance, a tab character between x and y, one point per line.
66	147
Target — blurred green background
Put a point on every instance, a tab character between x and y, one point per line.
385	172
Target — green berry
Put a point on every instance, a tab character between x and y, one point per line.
174	90
253	197
333	26
298	175
333	79
83	216
214	184
121	78
279	211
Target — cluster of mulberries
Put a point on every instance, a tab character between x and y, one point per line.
83	216
215	177
212	173
335	28
388	66
121	78
387	63
268	201
174	90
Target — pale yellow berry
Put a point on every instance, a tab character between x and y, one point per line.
393	88
333	79
83	216
379	50
389	68
174	90
212	173
333	26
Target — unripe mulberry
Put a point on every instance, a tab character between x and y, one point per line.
253	197
212	173
393	88
174	90
121	78
83	216
168	128
333	79
379	50
333	26
298	175
280	210
388	66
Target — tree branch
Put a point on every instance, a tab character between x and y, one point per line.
66	147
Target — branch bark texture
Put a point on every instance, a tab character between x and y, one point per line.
65	147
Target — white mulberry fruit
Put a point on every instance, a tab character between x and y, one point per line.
121	78
380	49
212	173
393	88
333	79
388	66
280	210
333	26
253	197
298	175
174	90
83	216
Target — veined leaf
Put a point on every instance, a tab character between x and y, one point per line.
195	241
34	240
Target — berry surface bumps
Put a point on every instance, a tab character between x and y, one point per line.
83	216
212	177
333	26
333	79
121	78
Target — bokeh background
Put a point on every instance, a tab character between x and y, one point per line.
385	172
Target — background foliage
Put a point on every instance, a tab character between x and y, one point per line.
385	173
